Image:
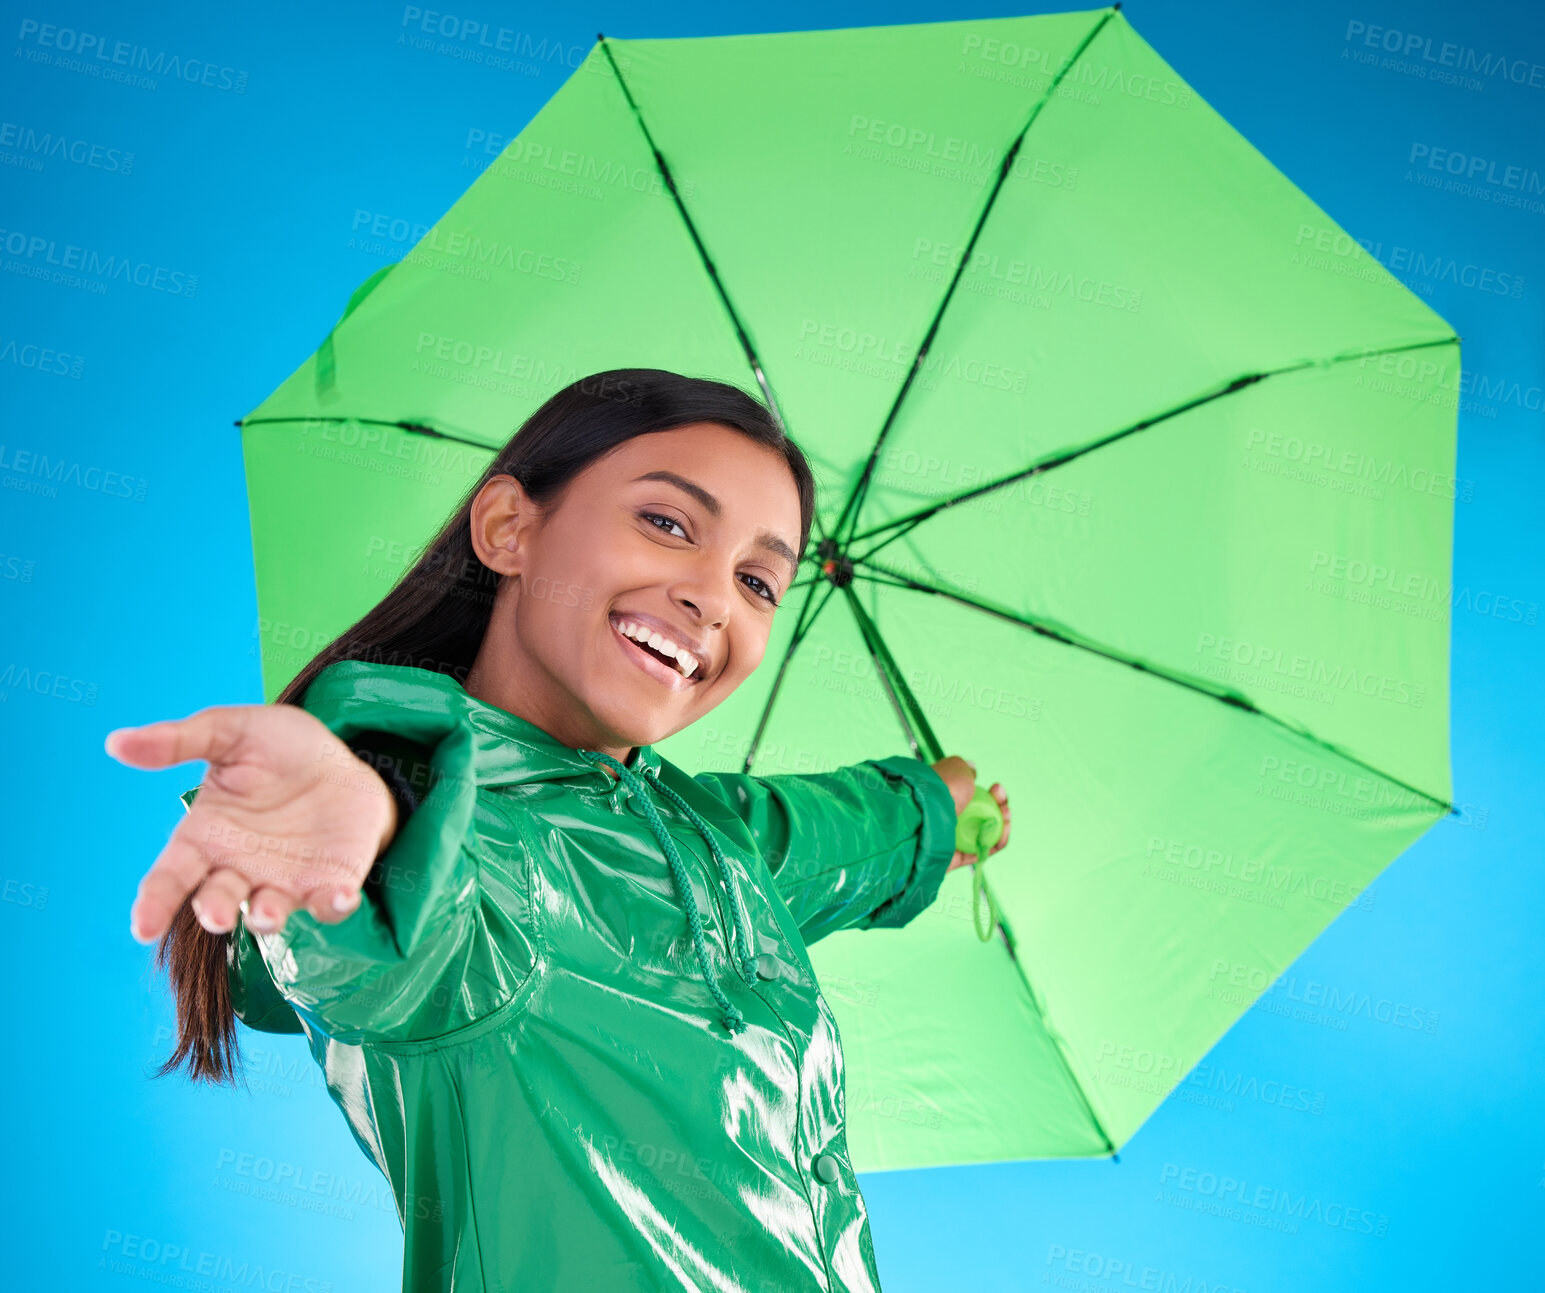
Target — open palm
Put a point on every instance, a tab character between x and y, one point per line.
286	816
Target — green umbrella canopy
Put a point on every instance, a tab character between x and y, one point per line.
1136	487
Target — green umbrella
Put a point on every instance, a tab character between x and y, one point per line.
1136	484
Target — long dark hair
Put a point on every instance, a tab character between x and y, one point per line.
437	613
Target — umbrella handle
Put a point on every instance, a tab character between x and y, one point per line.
979	827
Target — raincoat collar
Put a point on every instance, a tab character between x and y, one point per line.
510	750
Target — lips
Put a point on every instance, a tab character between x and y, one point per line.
653	665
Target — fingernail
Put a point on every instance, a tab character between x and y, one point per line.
208	922
344	901
262	921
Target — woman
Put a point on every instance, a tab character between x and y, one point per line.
559	987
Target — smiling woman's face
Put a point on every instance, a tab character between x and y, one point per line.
688	534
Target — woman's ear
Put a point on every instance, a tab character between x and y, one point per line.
501	515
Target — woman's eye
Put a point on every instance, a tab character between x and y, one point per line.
768	594
656	516
652	517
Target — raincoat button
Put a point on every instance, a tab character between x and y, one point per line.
826	1169
767	966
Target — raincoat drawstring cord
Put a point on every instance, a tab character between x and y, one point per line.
733	1019
737	908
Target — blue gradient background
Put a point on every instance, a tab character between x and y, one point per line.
146	605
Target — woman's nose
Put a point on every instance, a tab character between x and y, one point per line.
709	604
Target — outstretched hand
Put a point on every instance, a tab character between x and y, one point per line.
287	816
960	776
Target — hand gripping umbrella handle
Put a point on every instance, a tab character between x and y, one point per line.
978	828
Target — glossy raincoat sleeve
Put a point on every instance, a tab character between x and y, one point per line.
862	847
407	963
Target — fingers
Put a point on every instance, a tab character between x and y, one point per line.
172	876
220	896
1002	796
268	908
213	734
331	905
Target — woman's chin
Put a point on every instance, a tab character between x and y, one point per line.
641	723
642	712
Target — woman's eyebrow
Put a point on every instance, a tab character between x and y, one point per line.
763	538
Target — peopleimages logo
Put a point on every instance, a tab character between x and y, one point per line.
100	55
1443	54
1410	591
68	264
32	472
1471	167
181	1265
40	359
1273	1199
1284	994
1355	463
36	146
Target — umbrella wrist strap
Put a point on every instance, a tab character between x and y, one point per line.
979	890
977	830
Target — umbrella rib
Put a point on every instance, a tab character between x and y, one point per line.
884	583
713	270
702	251
418	428
1062	1050
1066	636
850	508
806	620
902	524
885	666
900	695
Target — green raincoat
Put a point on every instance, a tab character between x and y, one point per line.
573	1019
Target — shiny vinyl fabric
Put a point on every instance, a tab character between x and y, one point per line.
515	1020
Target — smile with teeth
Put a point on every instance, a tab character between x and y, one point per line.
684	661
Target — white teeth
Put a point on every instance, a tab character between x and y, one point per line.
685	660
